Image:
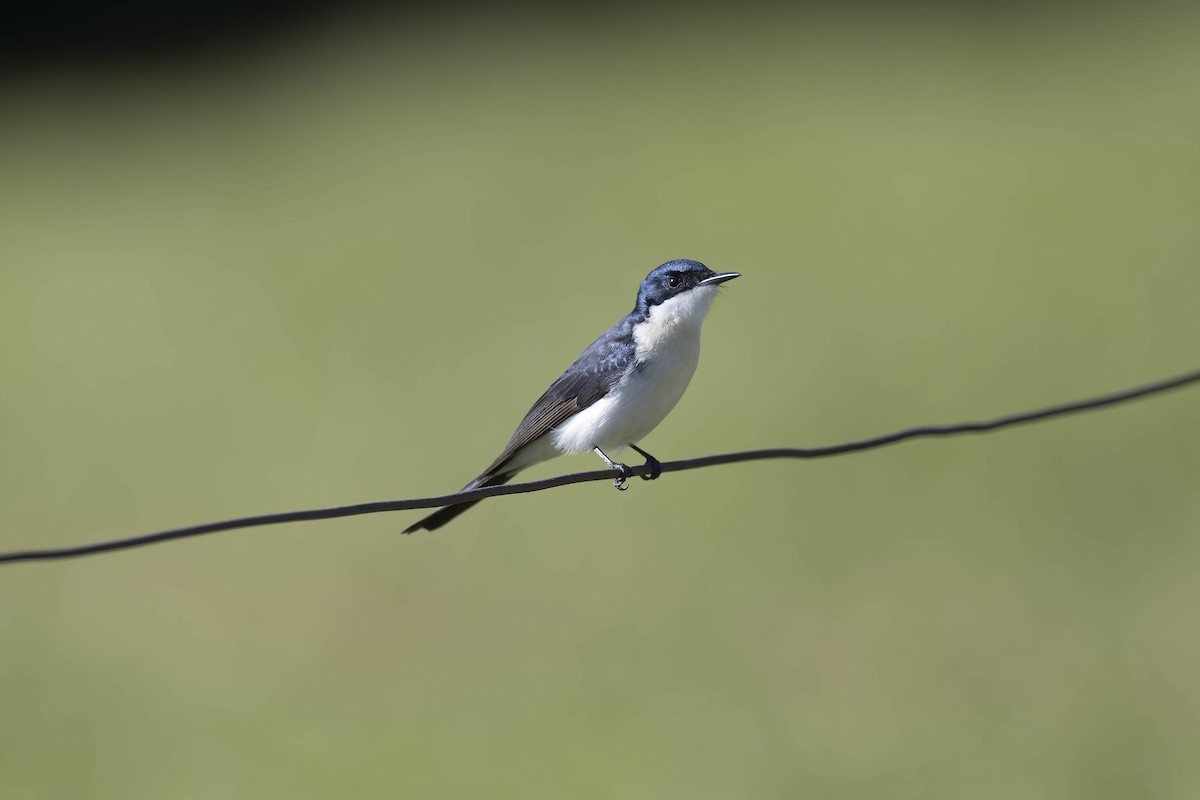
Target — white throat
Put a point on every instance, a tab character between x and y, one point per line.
671	321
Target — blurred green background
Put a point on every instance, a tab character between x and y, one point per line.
338	265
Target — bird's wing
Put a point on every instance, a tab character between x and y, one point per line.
591	377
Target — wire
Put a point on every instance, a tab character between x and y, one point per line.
927	431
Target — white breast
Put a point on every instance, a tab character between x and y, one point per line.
668	349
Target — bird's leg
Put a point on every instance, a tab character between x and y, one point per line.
618	466
653	463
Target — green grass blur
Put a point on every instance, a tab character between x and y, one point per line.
340	267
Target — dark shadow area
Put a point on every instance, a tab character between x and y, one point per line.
94	34
43	34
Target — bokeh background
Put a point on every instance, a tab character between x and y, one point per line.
334	258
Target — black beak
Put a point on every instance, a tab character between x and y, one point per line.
720	277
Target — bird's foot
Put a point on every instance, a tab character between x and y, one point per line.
626	472
653	463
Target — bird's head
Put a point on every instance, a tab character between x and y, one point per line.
680	288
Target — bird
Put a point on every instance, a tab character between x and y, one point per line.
618	389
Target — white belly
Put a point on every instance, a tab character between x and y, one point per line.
637	404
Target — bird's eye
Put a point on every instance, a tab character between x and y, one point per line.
673	281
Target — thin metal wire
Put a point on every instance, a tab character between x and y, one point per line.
927	431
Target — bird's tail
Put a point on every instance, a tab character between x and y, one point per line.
446	513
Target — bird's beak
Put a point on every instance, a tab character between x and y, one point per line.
720	277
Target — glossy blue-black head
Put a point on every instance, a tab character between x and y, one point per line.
675	278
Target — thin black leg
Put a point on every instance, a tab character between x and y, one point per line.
652	462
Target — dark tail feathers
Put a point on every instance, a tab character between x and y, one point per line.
443	515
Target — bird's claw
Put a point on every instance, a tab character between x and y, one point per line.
624	473
655	468
653	463
619	483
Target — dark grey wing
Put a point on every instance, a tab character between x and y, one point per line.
591	377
